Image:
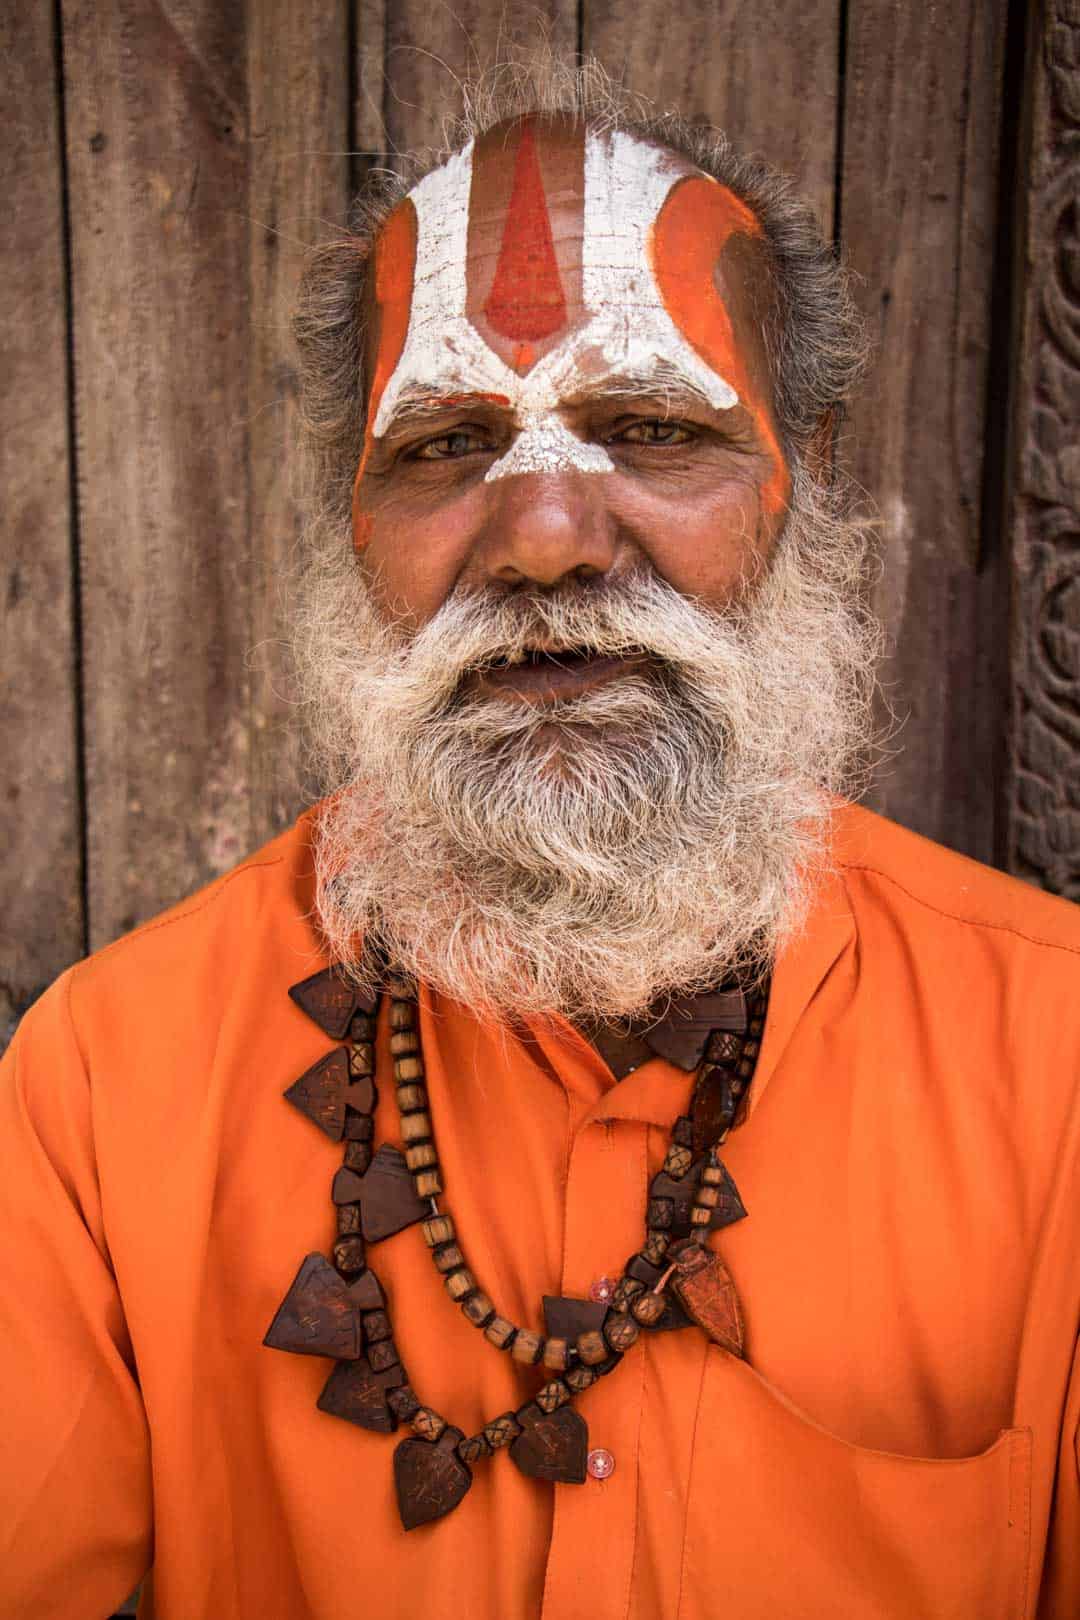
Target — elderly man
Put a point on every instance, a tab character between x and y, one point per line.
673	1208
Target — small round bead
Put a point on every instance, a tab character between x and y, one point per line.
348	1219
408	1068
712	1175
472	1450
626	1289
411	1098
382	1355
501	1430
528	1347
402	1015
359	1127
660	1215
552	1395
556	1354
427	1423
402	1402
415	1127
501	1332
478	1308
620	1331
349	1256
700	1215
579	1378
421	1155
591	1348
428	1183
376	1325
707	1197
437	1229
460	1282
362	1028
656	1247
404	1041
448	1257
648	1309
678	1161
358	1156
362	1059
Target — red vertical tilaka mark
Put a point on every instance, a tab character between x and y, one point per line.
526	301
691	231
395	267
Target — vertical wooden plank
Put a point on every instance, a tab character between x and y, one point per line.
1043	827
918	206
298	192
157	158
41	875
430	47
766	73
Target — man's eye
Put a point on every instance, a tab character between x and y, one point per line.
452	446
655	430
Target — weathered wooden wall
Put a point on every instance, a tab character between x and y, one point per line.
167	166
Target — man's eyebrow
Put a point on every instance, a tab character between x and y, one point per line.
414	405
663	381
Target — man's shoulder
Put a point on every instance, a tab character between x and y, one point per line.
265	898
888	866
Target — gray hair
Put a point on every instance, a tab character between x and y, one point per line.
815	338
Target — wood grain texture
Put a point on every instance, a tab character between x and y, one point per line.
298	193
197	151
41	876
431	47
919	187
767	74
1043	826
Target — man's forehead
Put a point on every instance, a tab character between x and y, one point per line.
547	249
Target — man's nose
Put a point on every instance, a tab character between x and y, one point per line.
540	528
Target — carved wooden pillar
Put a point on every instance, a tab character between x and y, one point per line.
1043	806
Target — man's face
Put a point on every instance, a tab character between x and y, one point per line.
568	382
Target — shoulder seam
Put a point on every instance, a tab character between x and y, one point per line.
191	910
955	916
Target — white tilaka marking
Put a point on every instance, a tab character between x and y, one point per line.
626	182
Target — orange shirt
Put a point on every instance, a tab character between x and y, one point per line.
901	1440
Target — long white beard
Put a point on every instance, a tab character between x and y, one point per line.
645	839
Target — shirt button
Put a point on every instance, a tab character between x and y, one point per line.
600	1463
601	1290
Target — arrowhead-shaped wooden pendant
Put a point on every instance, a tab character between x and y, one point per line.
331	1001
551	1445
388	1201
728	1208
703	1286
317	1317
347	1187
713	1107
429	1477
320	1092
357	1394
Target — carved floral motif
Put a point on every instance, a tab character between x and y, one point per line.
1045	809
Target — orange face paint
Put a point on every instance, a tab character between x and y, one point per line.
695	224
395	268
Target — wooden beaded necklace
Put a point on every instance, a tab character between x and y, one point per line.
340	1309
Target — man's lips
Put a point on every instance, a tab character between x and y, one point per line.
552	677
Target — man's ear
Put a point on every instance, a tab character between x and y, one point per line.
819	448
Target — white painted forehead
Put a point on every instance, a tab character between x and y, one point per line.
626	183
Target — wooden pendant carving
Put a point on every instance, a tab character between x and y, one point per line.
317	1317
429	1477
322	1092
358	1394
684	1033
388	1201
714	1105
729	1206
703	1285
551	1445
331	1001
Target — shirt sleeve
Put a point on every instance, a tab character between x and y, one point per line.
75	1492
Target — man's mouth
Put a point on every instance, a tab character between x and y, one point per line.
541	675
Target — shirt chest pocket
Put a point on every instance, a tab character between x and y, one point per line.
787	1520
